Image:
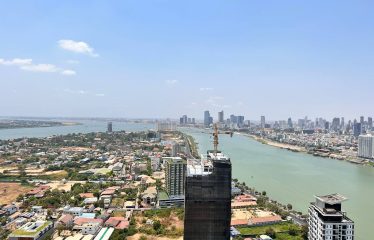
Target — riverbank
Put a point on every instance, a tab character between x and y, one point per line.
290	147
295	148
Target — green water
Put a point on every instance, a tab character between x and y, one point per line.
295	178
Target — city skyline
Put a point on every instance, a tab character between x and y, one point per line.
132	60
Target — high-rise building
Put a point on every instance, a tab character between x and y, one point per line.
221	117
207	119
110	127
208	198
366	146
263	122
327	125
289	123
233	119
240	121
357	129
335	125
327	221
175	175
183	120
166	126
362	120
370	123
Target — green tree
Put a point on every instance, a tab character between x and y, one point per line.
270	232
304	232
156	225
293	231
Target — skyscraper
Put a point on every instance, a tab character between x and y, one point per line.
357	129
263	122
366	146
327	221
221	117
233	119
370	123
240	121
175	175
289	123
207	119
208	198
335	125
110	127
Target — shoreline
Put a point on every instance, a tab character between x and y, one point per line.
299	149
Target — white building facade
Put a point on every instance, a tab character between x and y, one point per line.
366	146
327	221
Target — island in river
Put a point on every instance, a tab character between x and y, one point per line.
13	124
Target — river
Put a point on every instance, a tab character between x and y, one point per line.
295	178
286	176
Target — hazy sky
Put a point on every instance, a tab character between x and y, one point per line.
168	58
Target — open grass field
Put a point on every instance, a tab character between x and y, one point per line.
10	191
278	228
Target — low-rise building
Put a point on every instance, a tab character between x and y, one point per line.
262	221
75	211
65	220
117	223
91	228
32	231
104	234
10	209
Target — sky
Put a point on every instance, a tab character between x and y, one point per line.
164	59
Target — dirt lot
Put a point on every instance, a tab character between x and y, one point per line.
63	185
10	191
239	214
137	237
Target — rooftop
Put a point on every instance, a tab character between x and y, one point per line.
201	166
174	160
30	228
104	234
332	199
217	156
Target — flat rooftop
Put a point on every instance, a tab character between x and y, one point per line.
199	167
217	156
30	229
332	199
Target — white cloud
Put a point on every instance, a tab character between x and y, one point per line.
171	82
40	68
206	89
68	72
77	47
16	62
83	92
27	64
